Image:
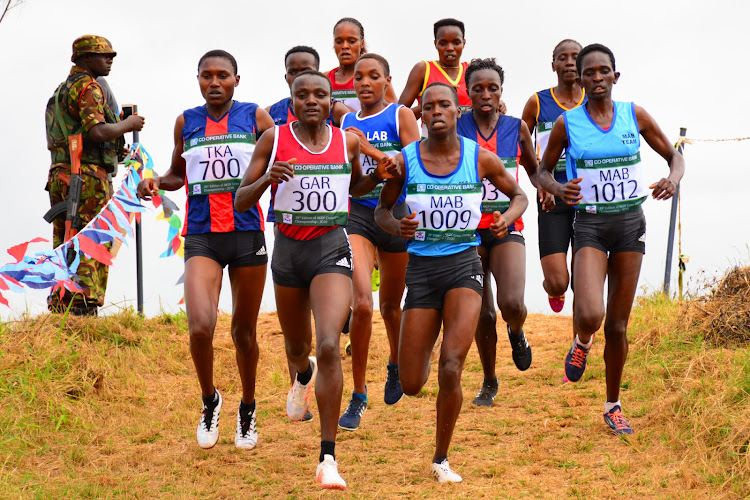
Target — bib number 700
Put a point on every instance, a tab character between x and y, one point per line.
219	170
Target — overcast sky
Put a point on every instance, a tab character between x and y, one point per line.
683	61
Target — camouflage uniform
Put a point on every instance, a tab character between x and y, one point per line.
82	104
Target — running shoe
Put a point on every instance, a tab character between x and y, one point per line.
521	350
298	399
246	436
444	474
345	330
616	421
327	474
375	279
349	421
348	348
393	391
308	417
556	303
575	361
486	395
208	426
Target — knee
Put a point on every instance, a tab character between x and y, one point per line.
244	338
363	306
556	283
327	351
512	309
588	322
487	318
297	349
201	330
449	373
391	311
616	332
410	386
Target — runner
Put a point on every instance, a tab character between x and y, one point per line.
220	133
349	44
607	185
442	177
314	167
383	128
298	59
555	224
448	69
508	138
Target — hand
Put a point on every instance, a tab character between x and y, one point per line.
502	108
499	228
282	171
663	190
387	168
408	226
134	122
571	192
364	145
148	188
546	199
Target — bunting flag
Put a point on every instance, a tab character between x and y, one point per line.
113	224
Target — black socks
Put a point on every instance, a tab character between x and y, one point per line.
327	448
304	378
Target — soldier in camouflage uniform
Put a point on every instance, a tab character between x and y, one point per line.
79	107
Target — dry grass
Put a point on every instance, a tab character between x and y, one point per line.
108	408
724	314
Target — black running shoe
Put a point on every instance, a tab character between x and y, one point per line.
521	350
487	393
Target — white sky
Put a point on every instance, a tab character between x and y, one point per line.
683	61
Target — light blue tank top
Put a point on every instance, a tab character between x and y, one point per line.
608	160
447	206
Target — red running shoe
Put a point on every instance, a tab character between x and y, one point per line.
557	303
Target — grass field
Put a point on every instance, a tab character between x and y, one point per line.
108	408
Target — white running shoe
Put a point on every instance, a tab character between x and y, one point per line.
246	436
327	474
298	399
208	426
444	474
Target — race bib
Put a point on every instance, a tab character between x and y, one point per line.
494	200
216	163
317	195
369	165
612	185
543	129
447	213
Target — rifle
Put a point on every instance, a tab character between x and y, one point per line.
71	205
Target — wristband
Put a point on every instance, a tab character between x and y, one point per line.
374	178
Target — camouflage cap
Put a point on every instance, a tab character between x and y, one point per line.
91	44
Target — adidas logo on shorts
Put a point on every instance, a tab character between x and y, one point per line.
642	239
344	262
262	251
478	277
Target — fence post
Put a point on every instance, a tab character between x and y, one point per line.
672	222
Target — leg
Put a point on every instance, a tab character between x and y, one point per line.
590	273
486	332
419	331
247	292
556	277
293	308
392	277
509	267
330	296
460	316
624	269
360	330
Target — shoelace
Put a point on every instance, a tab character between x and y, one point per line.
214	418
484	392
619	419
579	356
392	380
356	407
246	424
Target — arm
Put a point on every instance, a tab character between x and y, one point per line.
174	178
339	110
91	111
258	177
263	121
388	197
530	112
558	140
529	162
665	188
361	184
413	87
490	167
408	129
390	94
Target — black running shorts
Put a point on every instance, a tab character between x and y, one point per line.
429	278
296	262
555	228
362	223
233	249
611	233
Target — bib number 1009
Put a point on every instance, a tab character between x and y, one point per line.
217	169
449	219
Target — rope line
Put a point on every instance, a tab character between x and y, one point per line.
686	140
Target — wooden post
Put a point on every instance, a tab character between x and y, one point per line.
672	222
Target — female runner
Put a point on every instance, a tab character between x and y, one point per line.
313	169
213	144
442	177
607	185
383	129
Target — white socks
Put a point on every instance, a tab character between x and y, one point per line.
591	341
608	406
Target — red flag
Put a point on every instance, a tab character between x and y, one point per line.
94	250
18	251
